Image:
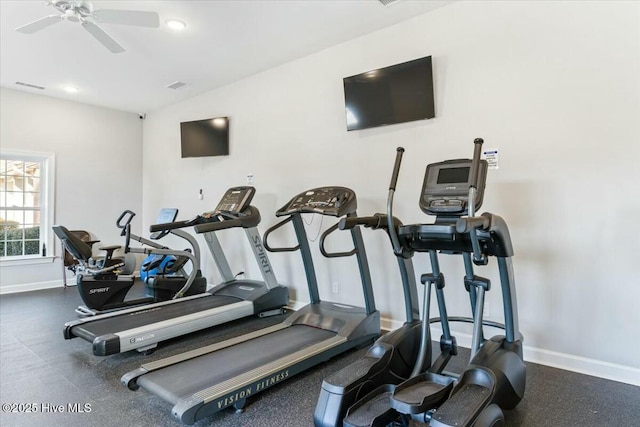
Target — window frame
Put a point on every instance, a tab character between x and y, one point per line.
47	206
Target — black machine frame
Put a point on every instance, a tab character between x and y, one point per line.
380	388
259	360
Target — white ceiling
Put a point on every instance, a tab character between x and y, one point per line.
224	41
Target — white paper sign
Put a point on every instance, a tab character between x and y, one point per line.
491	156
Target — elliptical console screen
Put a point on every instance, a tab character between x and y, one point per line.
453	175
445	190
332	201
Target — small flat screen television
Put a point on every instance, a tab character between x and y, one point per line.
396	94
202	138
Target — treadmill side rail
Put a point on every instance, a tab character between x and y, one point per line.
164	330
236	390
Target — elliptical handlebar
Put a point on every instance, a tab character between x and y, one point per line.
465	225
376	221
475	164
472	223
119	222
396	168
349	222
395	242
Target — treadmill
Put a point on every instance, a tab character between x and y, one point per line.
142	328
204	381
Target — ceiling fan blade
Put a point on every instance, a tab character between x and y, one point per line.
127	17
40	24
102	37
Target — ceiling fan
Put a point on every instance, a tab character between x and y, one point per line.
83	12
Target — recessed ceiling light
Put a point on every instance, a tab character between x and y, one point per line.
71	89
175	24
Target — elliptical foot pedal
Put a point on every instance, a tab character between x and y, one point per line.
373	410
358	370
470	397
421	393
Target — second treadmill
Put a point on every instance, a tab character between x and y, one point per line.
142	328
204	381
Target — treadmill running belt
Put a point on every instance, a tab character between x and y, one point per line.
143	317
177	382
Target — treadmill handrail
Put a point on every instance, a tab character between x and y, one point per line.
173	225
274	228
324	252
222	220
208	227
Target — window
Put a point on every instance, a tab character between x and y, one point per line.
26	205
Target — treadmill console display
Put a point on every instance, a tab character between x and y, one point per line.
234	201
331	201
445	190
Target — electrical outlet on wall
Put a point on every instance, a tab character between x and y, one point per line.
334	287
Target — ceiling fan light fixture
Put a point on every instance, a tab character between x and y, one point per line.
82	12
176	24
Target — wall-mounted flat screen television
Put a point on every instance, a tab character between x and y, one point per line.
202	138
396	94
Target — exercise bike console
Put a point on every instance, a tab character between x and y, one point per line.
165	215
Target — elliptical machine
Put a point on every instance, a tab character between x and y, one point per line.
379	389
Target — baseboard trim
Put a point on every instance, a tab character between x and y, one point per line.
554	359
26	287
583	365
567	362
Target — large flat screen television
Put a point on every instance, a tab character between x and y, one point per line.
396	94
202	138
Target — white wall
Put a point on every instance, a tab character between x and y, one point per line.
98	169
555	86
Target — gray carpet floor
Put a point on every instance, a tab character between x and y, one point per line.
41	370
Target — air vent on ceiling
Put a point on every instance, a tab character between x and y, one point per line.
388	2
30	85
176	85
